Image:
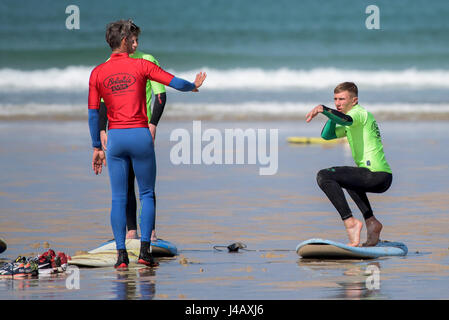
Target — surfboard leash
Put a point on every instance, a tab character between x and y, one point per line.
234	247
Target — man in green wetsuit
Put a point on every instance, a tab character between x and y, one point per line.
153	119
372	174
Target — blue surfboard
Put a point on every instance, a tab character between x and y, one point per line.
159	248
328	249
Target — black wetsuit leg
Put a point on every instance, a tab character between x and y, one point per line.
154	197
131	205
357	181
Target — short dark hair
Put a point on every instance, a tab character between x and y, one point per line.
119	30
347	86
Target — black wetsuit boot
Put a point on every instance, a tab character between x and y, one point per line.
145	257
122	260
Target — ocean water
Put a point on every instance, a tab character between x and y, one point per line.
264	58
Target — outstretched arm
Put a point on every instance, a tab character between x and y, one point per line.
334	115
328	132
337	116
154	72
184	85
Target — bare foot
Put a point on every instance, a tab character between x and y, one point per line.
353	228
153	236
132	234
373	229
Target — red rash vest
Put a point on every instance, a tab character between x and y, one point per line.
121	82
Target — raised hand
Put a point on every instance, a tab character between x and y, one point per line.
314	112
199	79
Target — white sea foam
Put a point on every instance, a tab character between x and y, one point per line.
277	109
218	110
321	78
38	109
75	78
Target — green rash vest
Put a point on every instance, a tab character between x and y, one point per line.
151	85
364	139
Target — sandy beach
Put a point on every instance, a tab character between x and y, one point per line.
50	196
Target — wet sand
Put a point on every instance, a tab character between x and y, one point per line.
49	194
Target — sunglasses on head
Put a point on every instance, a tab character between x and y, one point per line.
133	27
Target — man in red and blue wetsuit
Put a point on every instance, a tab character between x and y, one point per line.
153	118
121	82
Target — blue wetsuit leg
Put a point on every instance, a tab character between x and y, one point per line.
125	146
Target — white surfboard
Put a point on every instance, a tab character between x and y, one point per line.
328	249
102	259
159	248
106	254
